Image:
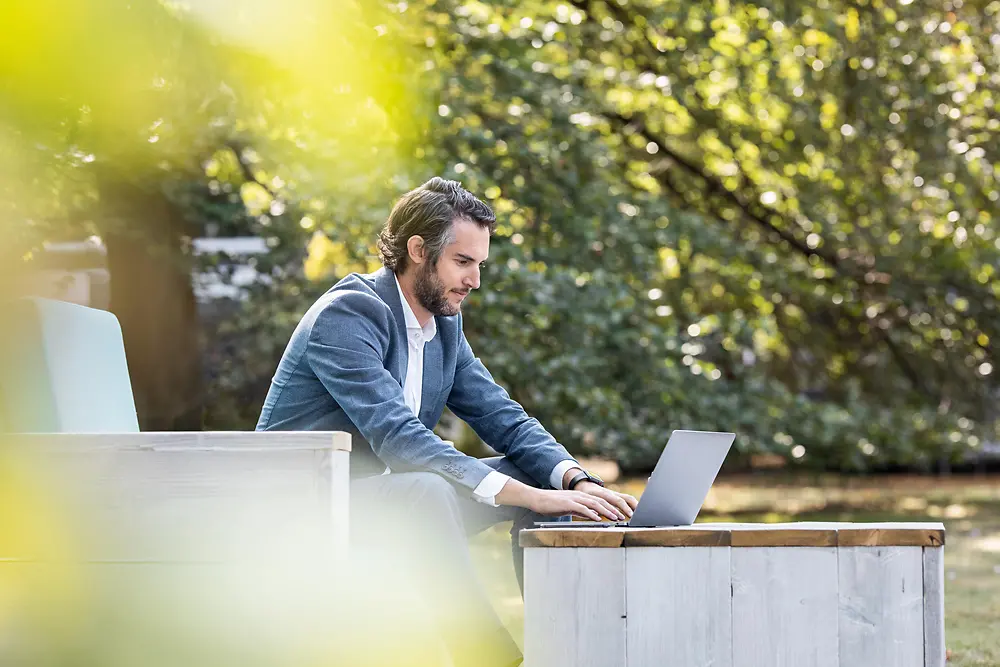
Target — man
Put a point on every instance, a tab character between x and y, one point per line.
380	356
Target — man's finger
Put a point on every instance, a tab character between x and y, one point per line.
626	499
582	510
615	499
608	509
603	506
618	501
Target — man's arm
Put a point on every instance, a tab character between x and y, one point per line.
346	348
502	423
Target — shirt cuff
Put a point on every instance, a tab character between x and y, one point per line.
555	479
488	489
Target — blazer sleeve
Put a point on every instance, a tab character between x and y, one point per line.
499	420
346	350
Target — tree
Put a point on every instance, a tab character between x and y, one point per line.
116	112
766	217
733	215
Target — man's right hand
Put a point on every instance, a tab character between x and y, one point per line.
551	502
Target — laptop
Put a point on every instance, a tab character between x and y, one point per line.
678	486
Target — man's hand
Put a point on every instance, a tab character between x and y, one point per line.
559	503
582	503
623	502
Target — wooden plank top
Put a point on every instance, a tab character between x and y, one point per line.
878	535
800	534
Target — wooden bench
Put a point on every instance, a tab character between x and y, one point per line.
67	407
735	595
182	548
174	498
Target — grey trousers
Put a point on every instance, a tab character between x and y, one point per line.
419	524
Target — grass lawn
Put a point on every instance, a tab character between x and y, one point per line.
968	506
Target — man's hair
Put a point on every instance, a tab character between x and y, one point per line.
428	212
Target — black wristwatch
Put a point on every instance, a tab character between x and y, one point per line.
584	476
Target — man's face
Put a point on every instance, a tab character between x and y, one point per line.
441	289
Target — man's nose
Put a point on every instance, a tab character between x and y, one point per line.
472	280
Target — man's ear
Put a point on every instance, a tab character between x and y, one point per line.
416	249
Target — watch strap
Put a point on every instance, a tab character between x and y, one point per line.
583	476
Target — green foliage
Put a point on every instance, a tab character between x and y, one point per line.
777	220
146	124
774	218
724	216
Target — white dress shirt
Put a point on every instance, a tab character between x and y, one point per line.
416	337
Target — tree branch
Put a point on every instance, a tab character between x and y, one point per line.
714	187
246	169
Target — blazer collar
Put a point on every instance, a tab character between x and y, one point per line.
386	287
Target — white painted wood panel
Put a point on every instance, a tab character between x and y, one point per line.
334	495
881	606
934	645
574	607
785	607
679	609
163	498
204	505
186	440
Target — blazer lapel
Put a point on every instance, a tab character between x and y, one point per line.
433	382
385	287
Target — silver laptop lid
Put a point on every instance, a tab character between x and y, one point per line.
680	482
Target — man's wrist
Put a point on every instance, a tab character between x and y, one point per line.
516	493
570	474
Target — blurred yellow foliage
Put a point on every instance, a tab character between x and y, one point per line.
39	581
852	25
136	88
327	259
671	267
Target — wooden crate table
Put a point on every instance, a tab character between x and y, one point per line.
735	595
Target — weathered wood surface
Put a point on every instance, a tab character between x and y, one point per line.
786	536
881	606
576	538
184	440
679	609
891	535
933	570
694	536
803	534
188	497
334	491
785	607
819	594
574	607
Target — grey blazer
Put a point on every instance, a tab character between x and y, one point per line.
343	370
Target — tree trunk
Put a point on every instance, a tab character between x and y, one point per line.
153	298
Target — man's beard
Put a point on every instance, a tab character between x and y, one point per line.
432	294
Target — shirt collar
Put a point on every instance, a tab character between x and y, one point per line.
429	330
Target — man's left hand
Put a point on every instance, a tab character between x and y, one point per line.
623	502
